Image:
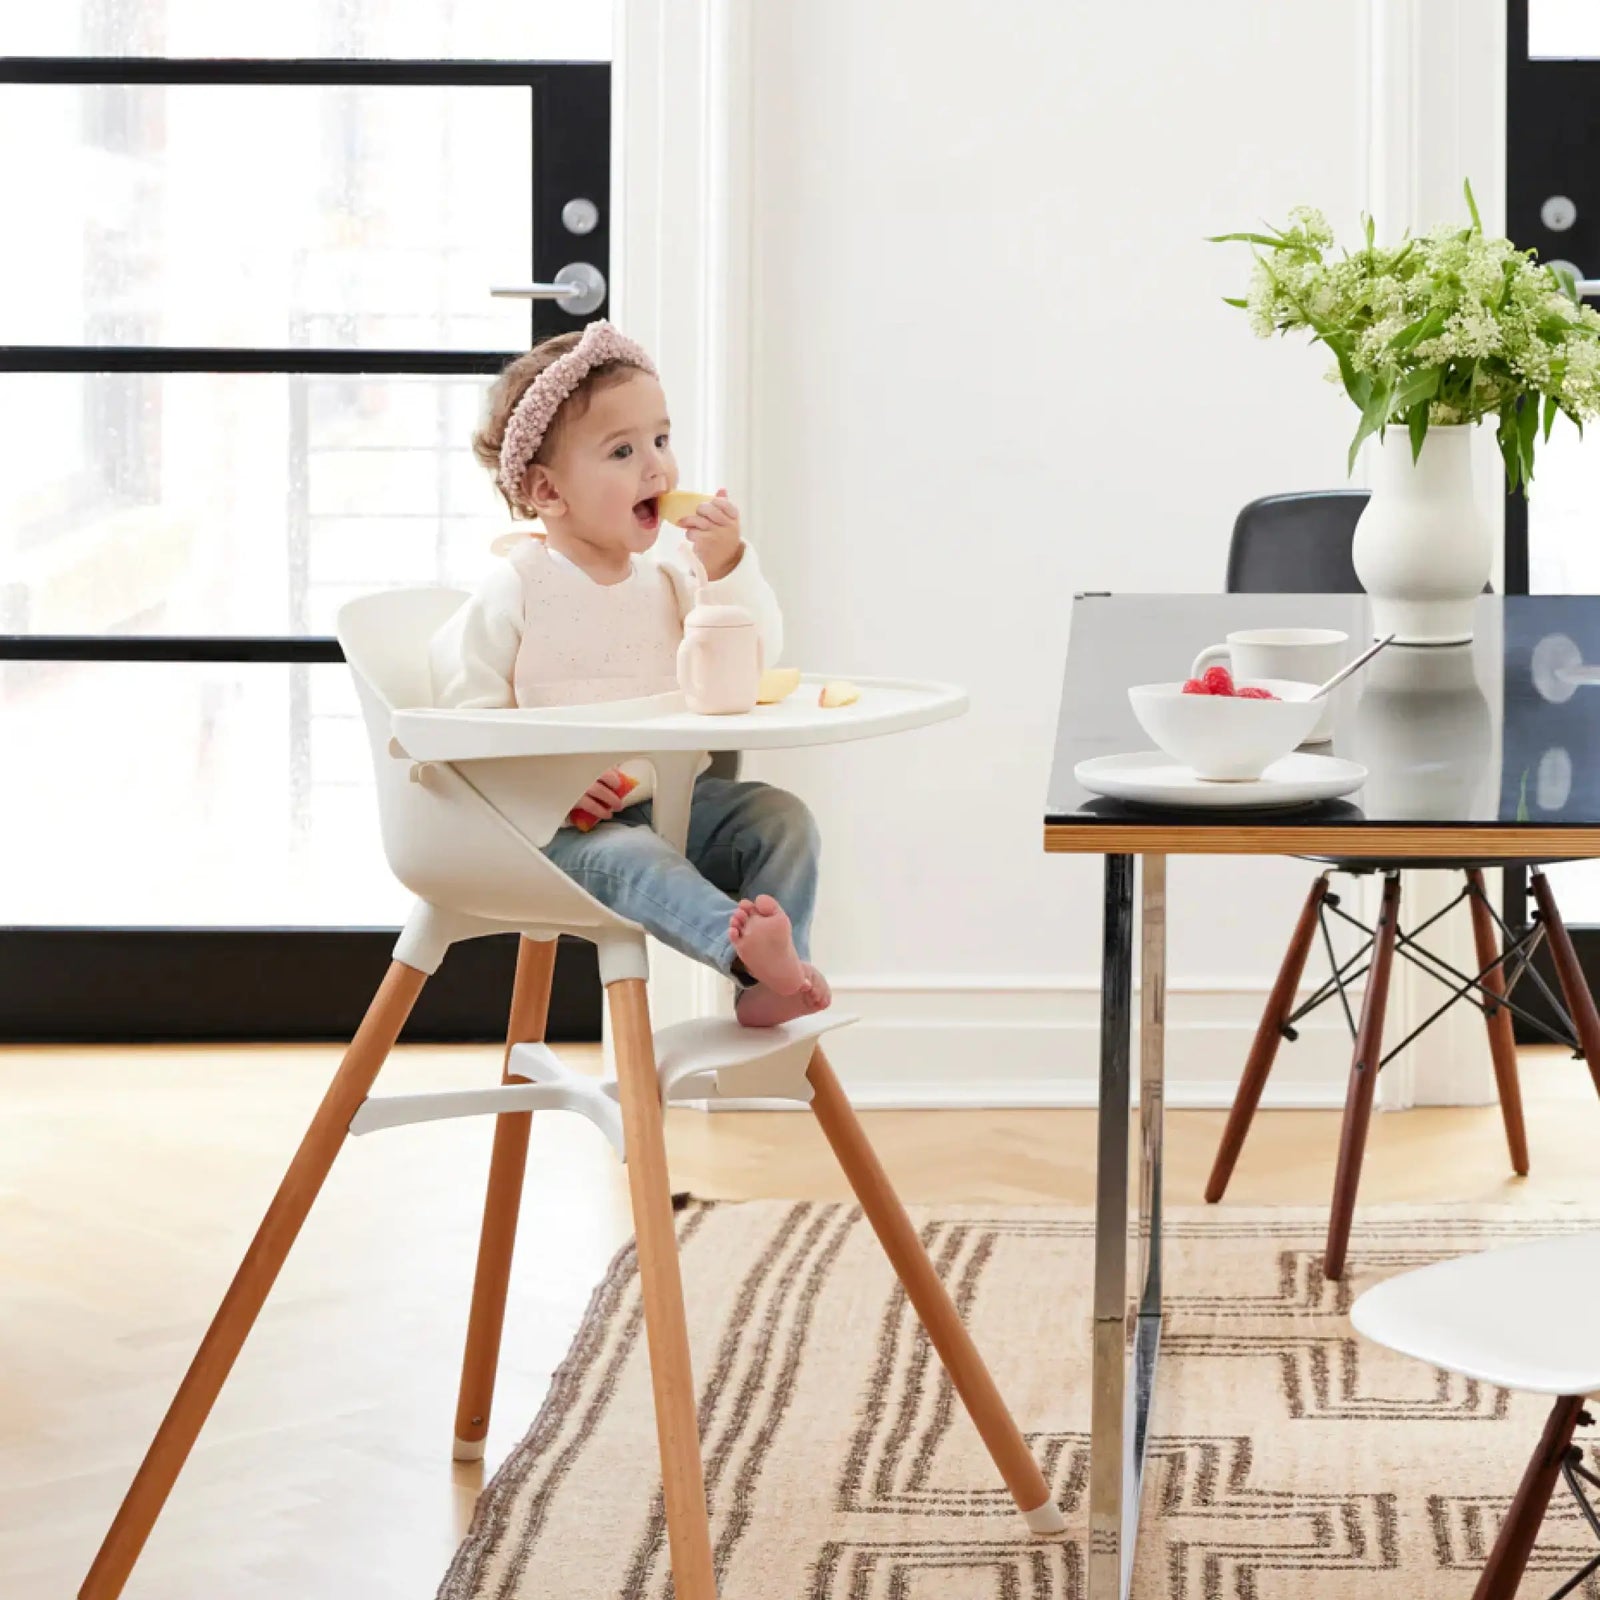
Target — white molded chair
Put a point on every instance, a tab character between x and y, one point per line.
465	838
1522	1317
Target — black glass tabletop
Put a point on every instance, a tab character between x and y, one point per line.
1497	737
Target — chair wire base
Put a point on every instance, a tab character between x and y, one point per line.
1576	1476
1516	962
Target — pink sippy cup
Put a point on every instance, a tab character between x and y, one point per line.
720	659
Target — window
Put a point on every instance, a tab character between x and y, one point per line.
241	357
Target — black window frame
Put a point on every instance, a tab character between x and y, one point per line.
1530	84
129	983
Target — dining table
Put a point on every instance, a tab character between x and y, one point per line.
1488	750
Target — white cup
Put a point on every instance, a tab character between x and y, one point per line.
1306	655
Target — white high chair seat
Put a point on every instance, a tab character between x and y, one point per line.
476	867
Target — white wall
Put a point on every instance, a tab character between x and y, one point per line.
991	367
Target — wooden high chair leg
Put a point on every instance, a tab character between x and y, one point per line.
1364	1067
1264	1048
252	1282
929	1298
671	1376
530	1009
1502	1040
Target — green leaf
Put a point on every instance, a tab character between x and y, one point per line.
1230	300
1371	227
1551	406
1423	384
1358	385
1566	280
1373	417
1417	423
1245	238
1425	327
1510	450
1472	205
1527	433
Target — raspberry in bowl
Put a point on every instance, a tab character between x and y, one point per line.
1226	732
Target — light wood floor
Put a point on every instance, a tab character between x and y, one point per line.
130	1181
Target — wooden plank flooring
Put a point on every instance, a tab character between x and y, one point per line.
131	1180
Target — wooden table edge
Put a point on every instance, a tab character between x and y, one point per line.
1242	839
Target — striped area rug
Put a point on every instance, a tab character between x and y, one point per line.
1289	1458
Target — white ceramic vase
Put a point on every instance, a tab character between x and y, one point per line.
1424	544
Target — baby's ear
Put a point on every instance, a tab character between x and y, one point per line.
539	491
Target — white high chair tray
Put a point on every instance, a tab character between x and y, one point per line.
661	722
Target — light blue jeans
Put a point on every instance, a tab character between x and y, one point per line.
745	839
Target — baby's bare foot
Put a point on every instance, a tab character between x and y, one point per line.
761	1007
815	991
764	940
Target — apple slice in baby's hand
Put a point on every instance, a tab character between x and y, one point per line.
680	503
587	821
838	694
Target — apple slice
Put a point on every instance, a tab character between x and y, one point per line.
680	503
777	683
839	693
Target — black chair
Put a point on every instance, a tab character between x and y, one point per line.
1300	544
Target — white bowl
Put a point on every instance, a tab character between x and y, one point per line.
1223	737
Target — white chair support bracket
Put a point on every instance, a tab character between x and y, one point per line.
711	1058
550	1086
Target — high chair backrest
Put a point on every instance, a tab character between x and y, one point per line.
444	839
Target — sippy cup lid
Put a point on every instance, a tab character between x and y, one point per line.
704	616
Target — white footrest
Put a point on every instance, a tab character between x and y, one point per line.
708	1059
713	1058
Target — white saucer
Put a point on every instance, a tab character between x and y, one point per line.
1154	779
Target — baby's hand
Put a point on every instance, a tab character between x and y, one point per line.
603	800
714	532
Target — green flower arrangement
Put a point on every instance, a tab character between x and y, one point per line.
1444	329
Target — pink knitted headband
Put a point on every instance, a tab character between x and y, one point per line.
551	390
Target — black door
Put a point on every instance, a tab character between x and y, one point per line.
244	332
1553	205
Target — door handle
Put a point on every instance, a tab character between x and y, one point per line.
579	286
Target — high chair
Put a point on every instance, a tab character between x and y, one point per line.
464	835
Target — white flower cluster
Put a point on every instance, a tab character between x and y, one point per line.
1451	327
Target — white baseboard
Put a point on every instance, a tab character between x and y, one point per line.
940	1043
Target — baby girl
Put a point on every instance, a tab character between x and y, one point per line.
577	436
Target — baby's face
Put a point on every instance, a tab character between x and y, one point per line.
612	463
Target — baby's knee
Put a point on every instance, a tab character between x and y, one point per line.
784	816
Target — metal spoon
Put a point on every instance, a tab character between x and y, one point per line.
1345	671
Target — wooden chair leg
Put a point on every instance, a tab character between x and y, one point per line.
1363	1081
928	1297
530	1008
1502	1040
252	1283
1503	1571
671	1377
1264	1049
1574	986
